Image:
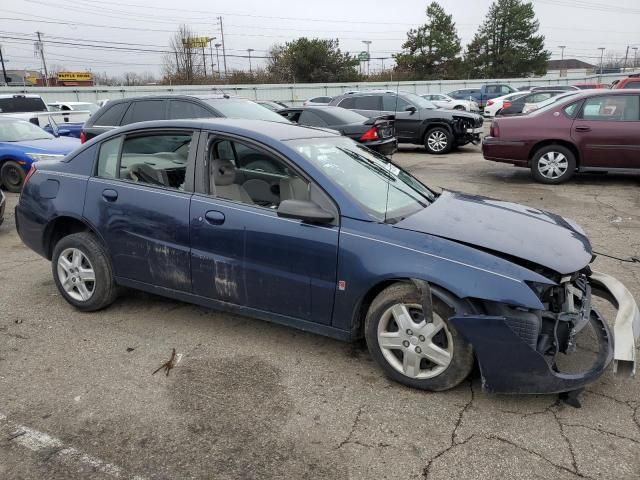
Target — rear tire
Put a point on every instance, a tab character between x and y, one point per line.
12	176
553	164
419	358
438	141
76	259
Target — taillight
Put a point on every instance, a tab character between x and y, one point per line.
489	103
494	131
82	137
371	134
506	104
29	175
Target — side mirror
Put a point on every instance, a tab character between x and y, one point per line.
304	210
411	109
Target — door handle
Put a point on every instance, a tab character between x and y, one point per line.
214	217
583	129
110	195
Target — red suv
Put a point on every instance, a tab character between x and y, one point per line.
632	81
596	130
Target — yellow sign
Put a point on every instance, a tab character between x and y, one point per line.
75	76
196	42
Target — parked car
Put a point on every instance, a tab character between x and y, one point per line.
494	107
591	86
21	144
374	133
22	105
83	110
555	88
516	105
417	120
632	81
140	109
3	204
445	101
273	106
485	93
339	242
533	106
318	101
593	130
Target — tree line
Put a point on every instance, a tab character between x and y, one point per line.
507	44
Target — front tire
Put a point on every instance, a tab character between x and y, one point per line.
553	164
82	272
12	176
438	141
460	107
429	356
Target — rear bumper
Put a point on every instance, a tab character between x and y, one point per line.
506	151
511	365
385	147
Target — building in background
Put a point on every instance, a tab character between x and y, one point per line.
23	78
570	66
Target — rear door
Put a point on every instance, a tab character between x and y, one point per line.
138	201
109	119
607	131
146	110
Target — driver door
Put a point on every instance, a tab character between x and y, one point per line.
407	123
242	251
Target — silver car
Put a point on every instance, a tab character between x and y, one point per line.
445	101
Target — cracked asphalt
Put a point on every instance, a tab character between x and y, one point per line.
254	400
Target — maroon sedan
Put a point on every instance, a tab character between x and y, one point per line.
597	130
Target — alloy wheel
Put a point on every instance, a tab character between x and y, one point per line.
411	345
76	274
437	141
553	165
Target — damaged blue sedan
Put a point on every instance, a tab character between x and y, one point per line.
306	228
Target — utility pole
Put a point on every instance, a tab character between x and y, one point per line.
4	72
44	64
368	44
210	40
562	47
602	49
635	57
204	62
626	55
218	45
224	48
249	50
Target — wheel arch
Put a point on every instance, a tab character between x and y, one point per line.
62	226
564	143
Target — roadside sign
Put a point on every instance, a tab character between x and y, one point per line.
363	56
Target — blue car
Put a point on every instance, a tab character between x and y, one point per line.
21	144
306	228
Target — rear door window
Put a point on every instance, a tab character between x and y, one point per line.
634	84
183	109
111	116
368	102
349	102
145	110
19	104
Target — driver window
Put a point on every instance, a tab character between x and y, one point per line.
389	103
246	174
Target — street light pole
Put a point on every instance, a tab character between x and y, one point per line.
562	47
368	44
218	45
4	72
602	49
249	50
635	57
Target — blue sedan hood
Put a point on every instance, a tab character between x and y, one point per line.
60	145
527	233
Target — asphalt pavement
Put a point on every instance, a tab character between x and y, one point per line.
250	399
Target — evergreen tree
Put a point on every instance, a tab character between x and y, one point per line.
431	51
507	44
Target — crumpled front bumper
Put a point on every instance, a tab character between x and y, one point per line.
510	365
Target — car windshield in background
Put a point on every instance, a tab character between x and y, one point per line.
547	104
20	131
245	109
22	104
346	116
388	193
418	101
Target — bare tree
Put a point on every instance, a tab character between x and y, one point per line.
183	63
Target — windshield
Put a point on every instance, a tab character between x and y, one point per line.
418	101
548	104
245	109
385	191
19	131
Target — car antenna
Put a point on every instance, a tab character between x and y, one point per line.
224	94
395	113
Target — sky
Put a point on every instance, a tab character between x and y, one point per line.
72	29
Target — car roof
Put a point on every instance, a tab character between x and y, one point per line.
250	128
25	95
212	96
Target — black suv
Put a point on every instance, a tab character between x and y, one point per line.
171	107
417	120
